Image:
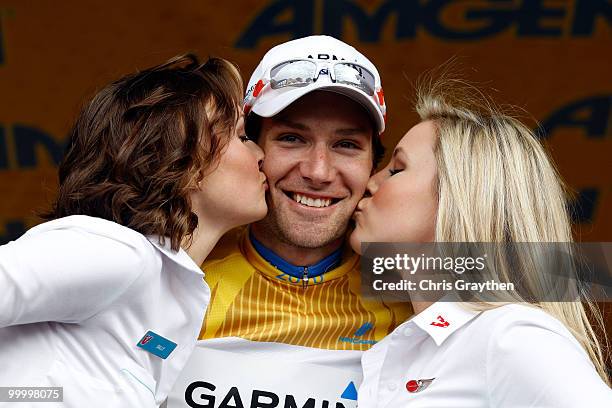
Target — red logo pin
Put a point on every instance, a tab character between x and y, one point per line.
147	338
258	87
413	386
441	322
381	97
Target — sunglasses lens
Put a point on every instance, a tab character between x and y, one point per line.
293	73
355	75
300	73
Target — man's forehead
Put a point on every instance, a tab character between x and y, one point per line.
357	127
322	125
283	119
327	108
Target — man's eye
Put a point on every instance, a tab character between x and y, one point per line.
348	145
394	171
289	138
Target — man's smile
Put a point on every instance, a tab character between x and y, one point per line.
313	200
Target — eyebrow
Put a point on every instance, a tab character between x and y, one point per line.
404	156
354	131
291	124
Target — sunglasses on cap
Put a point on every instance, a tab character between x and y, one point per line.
303	72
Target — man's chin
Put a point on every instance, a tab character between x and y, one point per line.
312	235
297	229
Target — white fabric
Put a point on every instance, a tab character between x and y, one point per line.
78	294
220	368
510	356
349	360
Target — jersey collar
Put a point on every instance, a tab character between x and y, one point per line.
326	264
328	272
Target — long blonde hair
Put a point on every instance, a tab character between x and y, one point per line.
497	184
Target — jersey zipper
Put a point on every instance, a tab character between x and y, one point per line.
305	278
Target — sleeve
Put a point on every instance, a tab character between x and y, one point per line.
540	365
65	275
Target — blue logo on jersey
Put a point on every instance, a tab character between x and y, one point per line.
366	327
363	329
350	392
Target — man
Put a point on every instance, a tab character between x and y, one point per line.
287	323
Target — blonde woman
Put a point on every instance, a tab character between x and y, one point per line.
467	173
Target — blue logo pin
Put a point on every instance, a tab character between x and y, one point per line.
156	344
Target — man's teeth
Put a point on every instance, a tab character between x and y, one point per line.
312	202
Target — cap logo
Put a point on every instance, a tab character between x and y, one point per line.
258	87
381	97
326	57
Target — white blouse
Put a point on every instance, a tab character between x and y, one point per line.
510	356
78	294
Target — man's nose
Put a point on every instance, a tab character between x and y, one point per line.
318	167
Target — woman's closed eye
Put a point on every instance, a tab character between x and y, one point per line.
395	171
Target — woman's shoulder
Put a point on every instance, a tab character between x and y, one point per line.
517	320
86	262
517	312
522	315
90	225
517	331
97	239
529	349
79	230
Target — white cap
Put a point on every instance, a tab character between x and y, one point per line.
261	99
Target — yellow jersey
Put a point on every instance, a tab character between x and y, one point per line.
253	300
269	340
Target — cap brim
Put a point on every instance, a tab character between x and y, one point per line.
274	101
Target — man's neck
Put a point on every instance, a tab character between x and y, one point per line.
295	255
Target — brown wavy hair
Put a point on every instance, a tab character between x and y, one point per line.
141	145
